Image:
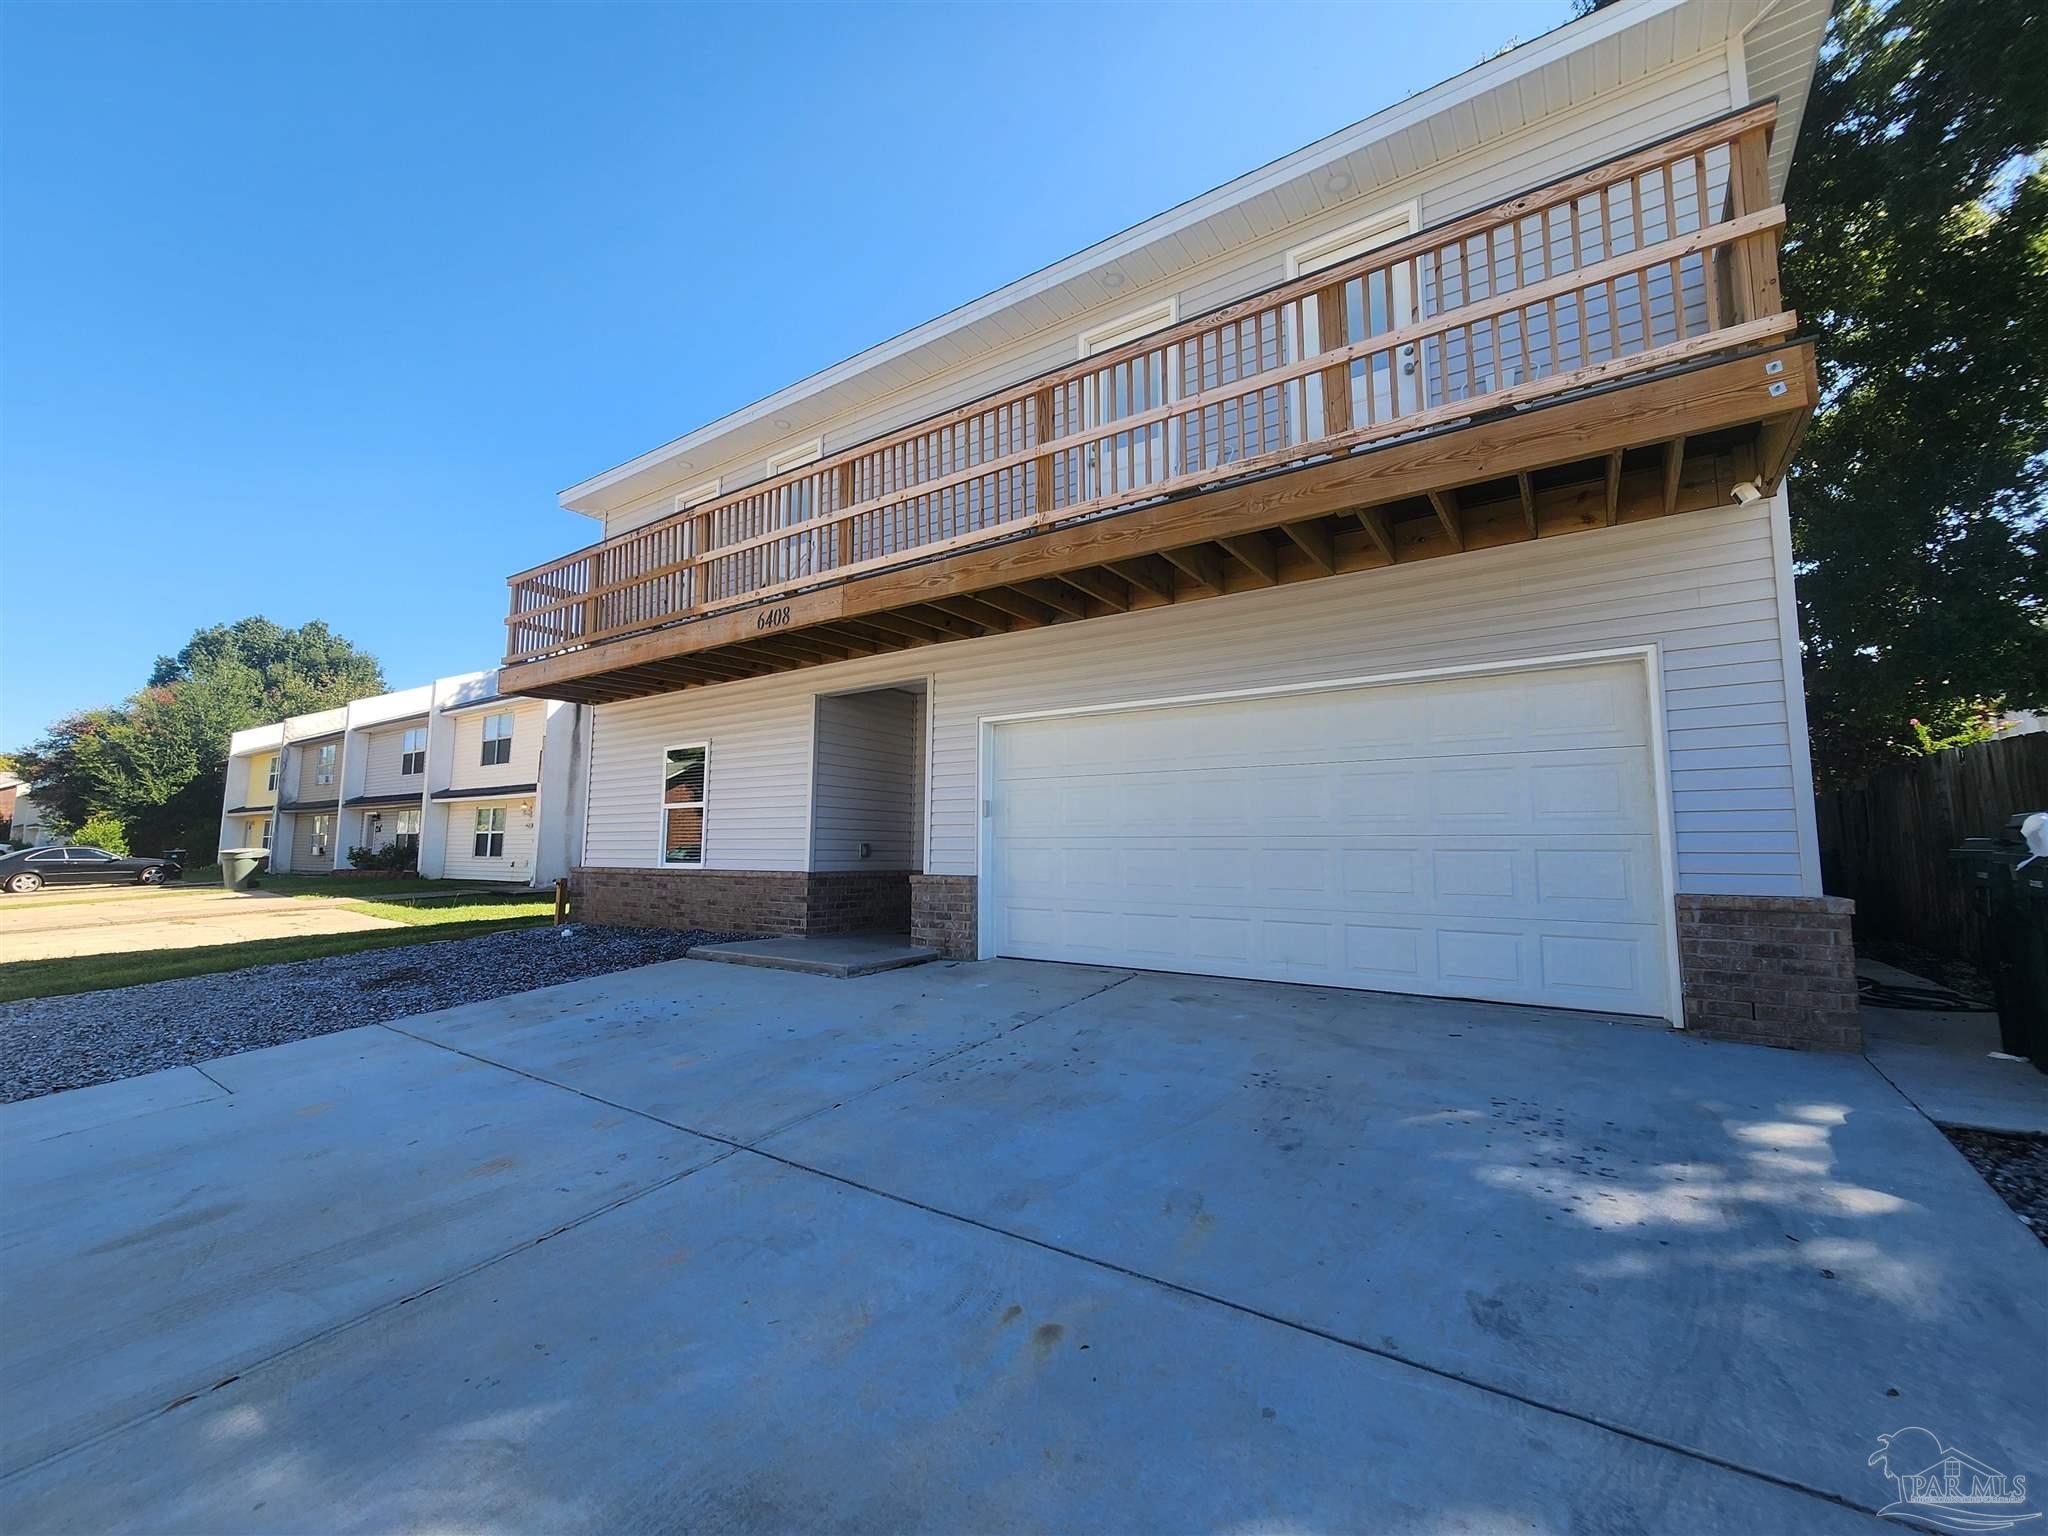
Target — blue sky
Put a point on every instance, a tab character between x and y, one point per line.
309	310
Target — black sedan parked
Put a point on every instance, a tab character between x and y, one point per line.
30	869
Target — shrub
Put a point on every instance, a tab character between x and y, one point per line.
102	831
392	856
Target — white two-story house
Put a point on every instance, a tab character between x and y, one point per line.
1372	573
475	784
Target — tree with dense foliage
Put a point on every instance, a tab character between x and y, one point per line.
1917	250
102	831
157	763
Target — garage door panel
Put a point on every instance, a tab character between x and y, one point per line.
1595	791
1611	879
1509	851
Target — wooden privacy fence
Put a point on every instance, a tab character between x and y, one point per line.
1885	843
1651	259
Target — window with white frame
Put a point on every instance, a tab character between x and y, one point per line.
412	751
795	458
1354	239
406	827
683	771
323	834
1140	322
323	766
270	768
497	740
262	827
490	832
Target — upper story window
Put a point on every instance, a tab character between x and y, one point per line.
323	765
1142	322
796	458
270	774
497	740
698	494
412	751
1354	239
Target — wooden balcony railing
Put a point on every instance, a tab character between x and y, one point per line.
1651	259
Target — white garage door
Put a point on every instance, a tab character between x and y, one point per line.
1489	837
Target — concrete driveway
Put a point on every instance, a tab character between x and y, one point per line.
998	1246
83	920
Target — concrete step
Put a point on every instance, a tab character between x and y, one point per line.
837	955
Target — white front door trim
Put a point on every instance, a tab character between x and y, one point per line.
1648	657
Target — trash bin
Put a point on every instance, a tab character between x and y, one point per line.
176	856
2012	904
239	867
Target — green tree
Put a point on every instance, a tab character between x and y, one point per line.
102	831
1917	249
157	763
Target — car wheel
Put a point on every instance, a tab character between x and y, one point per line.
25	885
154	875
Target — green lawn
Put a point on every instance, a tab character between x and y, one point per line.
424	922
356	887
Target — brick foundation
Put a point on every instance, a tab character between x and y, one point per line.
857	901
942	914
776	903
1770	970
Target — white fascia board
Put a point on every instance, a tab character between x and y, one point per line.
656	469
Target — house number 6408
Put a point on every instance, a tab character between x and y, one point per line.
771	618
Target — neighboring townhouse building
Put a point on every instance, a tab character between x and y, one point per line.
306	837
24	819
482	786
506	801
384	770
1372	573
249	801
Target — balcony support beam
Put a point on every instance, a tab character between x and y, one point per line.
1313	539
1099	585
1029	609
1202	563
1253	552
1055	596
1149	572
1445	504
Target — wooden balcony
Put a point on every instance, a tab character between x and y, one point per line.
1607	348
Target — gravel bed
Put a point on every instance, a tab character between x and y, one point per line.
52	1043
2015	1166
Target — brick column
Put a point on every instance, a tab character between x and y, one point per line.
942	914
1770	970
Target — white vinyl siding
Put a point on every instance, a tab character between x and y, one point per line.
386	751
305	859
1201	271
467	771
1700	586
461	861
868	781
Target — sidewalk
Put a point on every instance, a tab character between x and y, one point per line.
1944	1063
